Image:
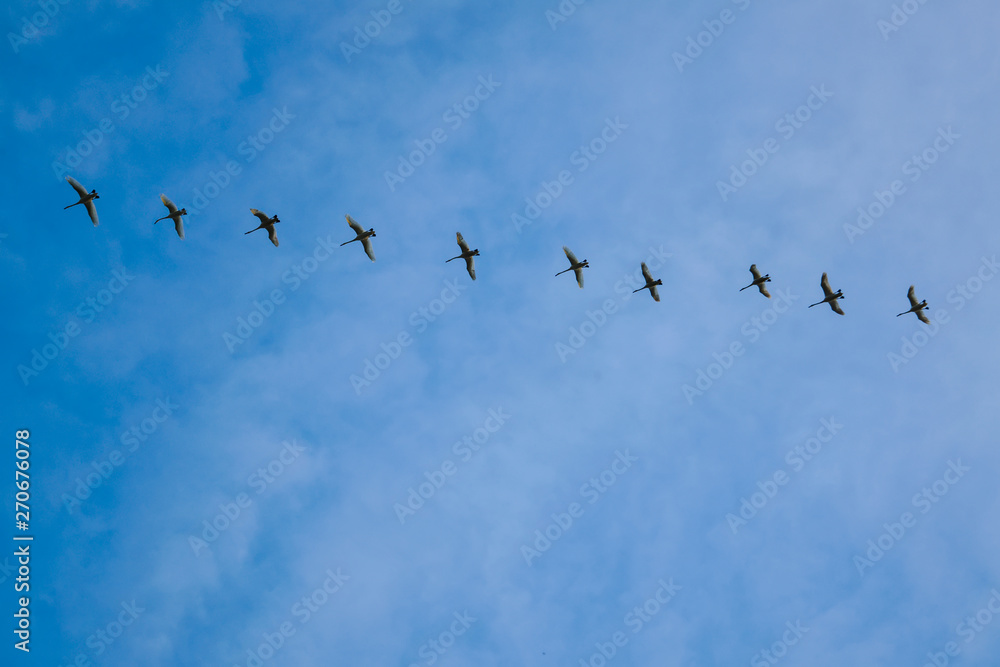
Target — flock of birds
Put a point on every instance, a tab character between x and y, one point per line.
576	266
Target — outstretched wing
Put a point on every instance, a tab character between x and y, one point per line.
645	274
656	295
825	284
470	265
262	217
763	290
579	277
80	190
366	242
754	271
273	235
911	295
836	307
169	204
461	242
571	257
923	318
179	226
92	210
355	226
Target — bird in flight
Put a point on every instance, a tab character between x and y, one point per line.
759	281
831	296
362	236
916	307
467	255
266	223
650	283
575	266
174	215
86	198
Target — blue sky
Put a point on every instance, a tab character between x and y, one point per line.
751	474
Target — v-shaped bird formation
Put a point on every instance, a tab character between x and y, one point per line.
576	266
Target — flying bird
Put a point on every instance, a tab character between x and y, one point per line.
86	198
467	255
759	281
916	307
174	215
831	296
266	223
575	266
650	283
363	236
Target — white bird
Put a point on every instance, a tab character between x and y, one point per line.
916	307
467	255
266	223
759	281
174	215
831	296
86	198
362	236
575	266
650	283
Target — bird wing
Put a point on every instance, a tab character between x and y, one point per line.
368	248
461	242
912	297
354	225
261	216
754	271
579	277
836	307
656	295
923	318
92	210
763	290
470	264
825	284
179	226
273	235
80	190
169	204
645	273
569	255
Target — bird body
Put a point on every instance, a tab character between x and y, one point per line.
174	215
266	223
575	266
831	296
650	283
916	307
759	281
467	255
86	198
362	236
